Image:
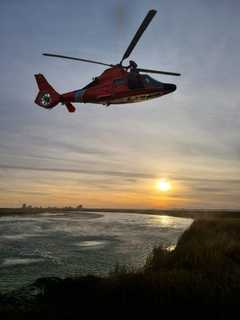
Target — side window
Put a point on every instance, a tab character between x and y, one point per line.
119	82
147	80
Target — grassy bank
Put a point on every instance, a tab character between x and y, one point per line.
204	269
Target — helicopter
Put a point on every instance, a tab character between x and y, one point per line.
118	84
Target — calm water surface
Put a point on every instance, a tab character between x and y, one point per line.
69	244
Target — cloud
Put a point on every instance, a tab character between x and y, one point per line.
80	171
129	175
80	147
20	192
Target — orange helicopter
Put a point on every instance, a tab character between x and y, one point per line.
116	85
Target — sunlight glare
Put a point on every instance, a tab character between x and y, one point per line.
164	185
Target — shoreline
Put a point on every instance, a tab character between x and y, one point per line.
178	213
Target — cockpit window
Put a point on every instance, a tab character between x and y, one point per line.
147	80
151	82
135	81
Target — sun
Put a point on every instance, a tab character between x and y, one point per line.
164	185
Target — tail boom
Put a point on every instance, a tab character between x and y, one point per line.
48	97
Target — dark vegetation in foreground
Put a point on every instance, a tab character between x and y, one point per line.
204	269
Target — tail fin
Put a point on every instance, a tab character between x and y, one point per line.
47	96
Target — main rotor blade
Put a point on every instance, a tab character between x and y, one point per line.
158	71
77	59
139	33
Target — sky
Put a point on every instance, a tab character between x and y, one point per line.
113	157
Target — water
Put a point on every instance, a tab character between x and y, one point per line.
69	244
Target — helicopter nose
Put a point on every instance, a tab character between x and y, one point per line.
169	87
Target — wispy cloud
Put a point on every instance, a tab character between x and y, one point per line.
131	176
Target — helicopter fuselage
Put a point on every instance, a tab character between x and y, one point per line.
118	86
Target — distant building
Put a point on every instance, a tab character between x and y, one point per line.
24	206
79	206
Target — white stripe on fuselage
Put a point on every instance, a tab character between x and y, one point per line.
132	99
